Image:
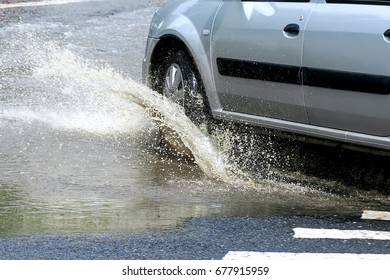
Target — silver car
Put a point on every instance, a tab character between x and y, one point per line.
318	68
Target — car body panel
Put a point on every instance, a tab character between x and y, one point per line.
222	34
248	39
345	45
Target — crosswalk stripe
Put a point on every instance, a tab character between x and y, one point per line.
340	234
376	215
311	233
248	255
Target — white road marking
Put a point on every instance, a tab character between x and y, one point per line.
42	3
248	255
376	215
324	233
340	234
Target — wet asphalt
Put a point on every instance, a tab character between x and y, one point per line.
199	238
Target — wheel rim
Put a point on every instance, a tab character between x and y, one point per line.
174	84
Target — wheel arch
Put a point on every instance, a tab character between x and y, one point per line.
171	43
164	47
197	51
189	25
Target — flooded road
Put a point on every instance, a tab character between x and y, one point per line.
79	151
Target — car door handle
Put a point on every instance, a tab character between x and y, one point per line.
387	33
292	29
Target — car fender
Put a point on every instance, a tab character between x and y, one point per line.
175	20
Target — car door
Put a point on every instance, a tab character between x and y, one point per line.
256	53
346	66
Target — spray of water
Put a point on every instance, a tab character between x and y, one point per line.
75	93
46	83
165	114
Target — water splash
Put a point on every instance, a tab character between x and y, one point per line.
169	114
77	94
46	83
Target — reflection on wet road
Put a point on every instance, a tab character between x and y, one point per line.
78	152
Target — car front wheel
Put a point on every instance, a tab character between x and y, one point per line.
177	78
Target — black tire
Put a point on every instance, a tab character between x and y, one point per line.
176	77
